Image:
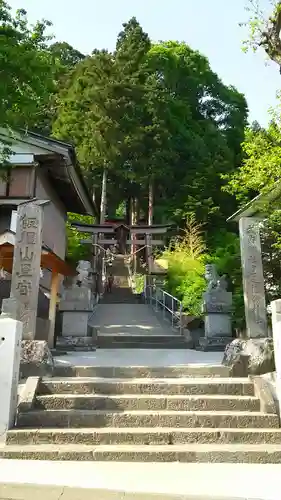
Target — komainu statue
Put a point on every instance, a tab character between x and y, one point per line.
215	282
212	277
84	271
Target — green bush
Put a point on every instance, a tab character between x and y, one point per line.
186	256
138	280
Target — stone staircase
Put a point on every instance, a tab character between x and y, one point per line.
122	294
192	413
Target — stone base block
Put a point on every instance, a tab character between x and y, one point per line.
75	324
218	325
76	343
36	359
250	357
216	343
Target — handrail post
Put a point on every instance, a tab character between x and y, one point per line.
145	289
180	318
173	312
163	302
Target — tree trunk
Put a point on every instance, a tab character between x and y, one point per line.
150	203
128	211
134	221
102	220
133	236
103	197
150	222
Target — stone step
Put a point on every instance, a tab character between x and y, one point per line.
145	344
107	418
143	436
73	348
141	341
183	386
204	453
124	338
147	402
192	370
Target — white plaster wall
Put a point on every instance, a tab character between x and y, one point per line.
54	229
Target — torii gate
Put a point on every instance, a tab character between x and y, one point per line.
121	235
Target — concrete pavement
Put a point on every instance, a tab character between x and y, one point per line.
142	481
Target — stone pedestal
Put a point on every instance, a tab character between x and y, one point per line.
10	348
217	306
36	359
77	307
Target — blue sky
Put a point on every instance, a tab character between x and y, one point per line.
210	26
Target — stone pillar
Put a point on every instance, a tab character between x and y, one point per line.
94	264
26	266
53	307
276	331
253	282
148	252
10	349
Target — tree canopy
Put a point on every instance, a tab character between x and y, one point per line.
155	117
264	29
26	69
154	112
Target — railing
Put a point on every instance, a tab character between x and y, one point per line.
163	302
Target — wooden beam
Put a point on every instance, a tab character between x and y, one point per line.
128	242
107	242
100	242
53	308
93	230
149	230
143	242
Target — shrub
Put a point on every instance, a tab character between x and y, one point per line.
186	256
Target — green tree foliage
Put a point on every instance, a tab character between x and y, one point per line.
154	112
26	69
205	121
66	54
264	26
261	167
76	250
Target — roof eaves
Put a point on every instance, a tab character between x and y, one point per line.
255	206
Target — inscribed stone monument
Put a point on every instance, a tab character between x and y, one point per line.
26	268
253	281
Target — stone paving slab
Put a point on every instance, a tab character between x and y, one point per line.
129	319
140	357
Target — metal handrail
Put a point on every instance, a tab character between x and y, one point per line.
156	297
